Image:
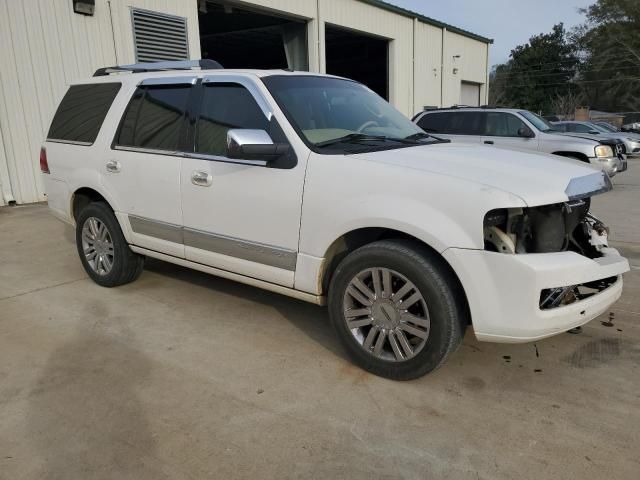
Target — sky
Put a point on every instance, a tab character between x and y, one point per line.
508	22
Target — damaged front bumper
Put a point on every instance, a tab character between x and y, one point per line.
505	291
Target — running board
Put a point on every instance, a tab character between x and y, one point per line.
289	292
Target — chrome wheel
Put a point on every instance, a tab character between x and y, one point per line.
386	314
97	246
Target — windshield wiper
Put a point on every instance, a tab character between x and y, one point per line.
359	137
418	136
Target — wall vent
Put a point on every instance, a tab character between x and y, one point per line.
158	36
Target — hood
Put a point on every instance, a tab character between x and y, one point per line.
604	138
538	179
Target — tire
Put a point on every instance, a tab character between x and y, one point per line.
124	265
440	313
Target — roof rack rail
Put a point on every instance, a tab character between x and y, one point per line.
160	66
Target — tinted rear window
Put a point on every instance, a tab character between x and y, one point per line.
155	117
82	111
453	123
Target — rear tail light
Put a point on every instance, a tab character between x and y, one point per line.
44	165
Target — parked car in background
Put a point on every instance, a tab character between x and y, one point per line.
607	126
522	130
315	187
631	140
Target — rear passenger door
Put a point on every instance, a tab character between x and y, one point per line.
458	126
142	169
502	129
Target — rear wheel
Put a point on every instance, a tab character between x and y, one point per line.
103	250
397	309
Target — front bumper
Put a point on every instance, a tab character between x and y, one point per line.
610	165
503	291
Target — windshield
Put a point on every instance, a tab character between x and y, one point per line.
606	128
598	128
341	114
538	122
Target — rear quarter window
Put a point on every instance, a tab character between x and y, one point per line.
81	112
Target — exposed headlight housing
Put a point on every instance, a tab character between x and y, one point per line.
604	151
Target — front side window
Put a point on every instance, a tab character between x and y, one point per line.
581	128
155	118
538	122
503	124
341	114
81	112
225	106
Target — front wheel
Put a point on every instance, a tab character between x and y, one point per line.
103	250
397	309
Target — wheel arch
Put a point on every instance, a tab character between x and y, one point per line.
82	197
356	238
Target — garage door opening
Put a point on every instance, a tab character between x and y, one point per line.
470	94
241	38
360	57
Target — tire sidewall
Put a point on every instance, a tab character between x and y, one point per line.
436	291
120	246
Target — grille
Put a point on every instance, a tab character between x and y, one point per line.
158	37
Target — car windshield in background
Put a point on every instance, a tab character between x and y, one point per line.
538	122
607	127
337	114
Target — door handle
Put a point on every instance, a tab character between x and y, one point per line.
201	179
488	142
113	166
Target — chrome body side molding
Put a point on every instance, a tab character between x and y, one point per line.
233	247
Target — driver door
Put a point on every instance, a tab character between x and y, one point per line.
240	216
501	130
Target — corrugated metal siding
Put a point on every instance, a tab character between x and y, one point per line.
45	46
472	66
428	59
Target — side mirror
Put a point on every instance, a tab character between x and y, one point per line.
247	144
525	132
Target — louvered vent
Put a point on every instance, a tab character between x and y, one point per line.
159	37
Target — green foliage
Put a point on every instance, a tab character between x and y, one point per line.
536	72
598	64
610	43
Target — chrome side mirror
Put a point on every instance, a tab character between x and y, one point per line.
248	144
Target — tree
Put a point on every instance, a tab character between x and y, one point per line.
610	44
536	72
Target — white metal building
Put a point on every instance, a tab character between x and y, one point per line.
412	60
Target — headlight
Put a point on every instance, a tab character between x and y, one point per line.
603	151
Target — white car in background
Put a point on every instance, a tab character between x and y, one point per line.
313	186
630	140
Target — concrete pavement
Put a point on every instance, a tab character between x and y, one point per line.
181	375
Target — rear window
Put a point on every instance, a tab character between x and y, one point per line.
155	118
82	111
452	123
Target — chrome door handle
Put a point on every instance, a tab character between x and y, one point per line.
113	166
201	179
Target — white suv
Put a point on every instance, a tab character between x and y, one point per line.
314	187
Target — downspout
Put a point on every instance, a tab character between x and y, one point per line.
444	30
486	90
413	52
318	37
5	178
